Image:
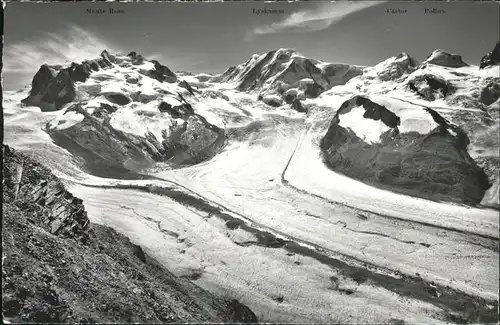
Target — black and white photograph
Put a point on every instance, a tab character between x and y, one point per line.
302	162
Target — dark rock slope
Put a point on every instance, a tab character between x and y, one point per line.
108	152
491	58
429	86
57	267
435	165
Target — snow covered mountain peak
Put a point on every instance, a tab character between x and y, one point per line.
442	58
393	68
124	112
55	85
286	75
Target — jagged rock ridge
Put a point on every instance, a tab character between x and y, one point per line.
53	86
491	58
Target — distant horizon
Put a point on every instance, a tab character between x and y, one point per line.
206	38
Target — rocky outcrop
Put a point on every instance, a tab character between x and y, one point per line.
192	141
439	57
492	58
182	110
72	271
430	87
184	84
118	98
50	89
310	88
272	100
290	95
158	72
49	204
214	94
106	151
491	166
161	73
53	86
491	92
433	164
135	58
103	150
296	105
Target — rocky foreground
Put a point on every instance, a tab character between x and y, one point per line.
58	267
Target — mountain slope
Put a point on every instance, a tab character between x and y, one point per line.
411	149
288	74
123	113
57	267
466	96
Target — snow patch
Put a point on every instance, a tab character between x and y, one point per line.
172	101
365	128
66	120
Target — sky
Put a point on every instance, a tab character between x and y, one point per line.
210	37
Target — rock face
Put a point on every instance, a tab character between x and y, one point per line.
51	206
491	166
296	105
53	86
110	152
413	151
103	149
59	268
439	57
188	87
490	93
430	86
161	73
339	74
491	58
272	100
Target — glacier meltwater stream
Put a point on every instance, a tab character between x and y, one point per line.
266	223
